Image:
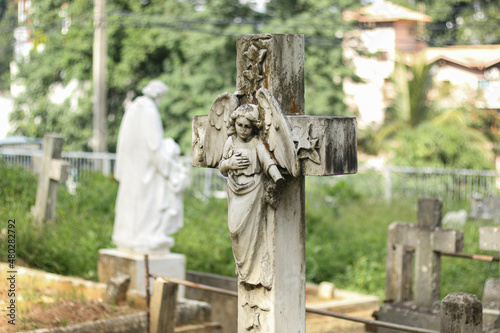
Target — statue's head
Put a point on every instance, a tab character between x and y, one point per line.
248	111
155	90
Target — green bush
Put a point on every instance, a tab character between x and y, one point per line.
204	239
69	245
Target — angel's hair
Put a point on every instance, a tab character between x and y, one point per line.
155	89
250	112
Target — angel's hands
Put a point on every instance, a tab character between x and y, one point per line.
237	162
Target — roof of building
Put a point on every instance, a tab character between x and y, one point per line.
472	56
385	11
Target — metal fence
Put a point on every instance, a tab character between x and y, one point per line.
389	182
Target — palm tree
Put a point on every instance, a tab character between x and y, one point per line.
420	134
411	106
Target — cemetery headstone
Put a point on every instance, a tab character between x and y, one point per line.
461	313
489	239
261	140
116	290
52	170
149	207
413	267
485	208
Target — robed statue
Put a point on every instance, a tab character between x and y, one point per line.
149	206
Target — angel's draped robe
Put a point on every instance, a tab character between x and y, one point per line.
149	204
247	211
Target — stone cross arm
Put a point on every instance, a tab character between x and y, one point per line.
58	169
440	240
326	145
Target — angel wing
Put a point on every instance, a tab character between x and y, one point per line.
216	133
279	133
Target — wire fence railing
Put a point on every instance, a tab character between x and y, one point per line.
389	182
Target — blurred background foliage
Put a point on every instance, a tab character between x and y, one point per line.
189	45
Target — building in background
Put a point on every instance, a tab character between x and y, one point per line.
385	32
388	33
468	70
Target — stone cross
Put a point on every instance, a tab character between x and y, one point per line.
51	170
425	241
325	146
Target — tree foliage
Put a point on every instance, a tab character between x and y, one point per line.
460	21
186	44
8	21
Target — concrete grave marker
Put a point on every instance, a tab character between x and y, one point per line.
425	239
413	268
485	208
260	138
461	313
489	240
51	171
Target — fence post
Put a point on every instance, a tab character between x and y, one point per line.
163	306
106	167
388	184
461	313
207	186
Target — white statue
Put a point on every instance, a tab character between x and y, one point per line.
248	146
152	179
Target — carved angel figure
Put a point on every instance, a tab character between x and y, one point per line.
239	150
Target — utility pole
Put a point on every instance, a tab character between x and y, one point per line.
99	77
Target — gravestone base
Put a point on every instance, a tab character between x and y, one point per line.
491	320
113	260
407	313
491	304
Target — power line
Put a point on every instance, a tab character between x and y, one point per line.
193	25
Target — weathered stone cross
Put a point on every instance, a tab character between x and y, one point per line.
325	146
426	239
51	170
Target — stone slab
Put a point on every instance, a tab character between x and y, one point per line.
489	238
460	313
112	260
491	294
491	321
224	307
408	314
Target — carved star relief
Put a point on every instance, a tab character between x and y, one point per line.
306	146
255	58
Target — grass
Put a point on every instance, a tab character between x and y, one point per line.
346	232
69	244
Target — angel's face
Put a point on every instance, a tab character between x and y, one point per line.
244	127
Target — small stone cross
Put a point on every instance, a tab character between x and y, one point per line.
51	170
271	291
427	240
